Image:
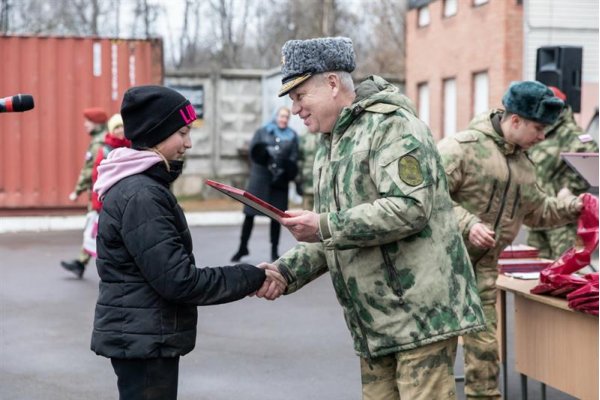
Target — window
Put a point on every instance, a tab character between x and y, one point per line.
449	106
450	8
480	93
423	15
423	102
479	2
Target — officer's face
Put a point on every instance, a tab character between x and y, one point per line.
313	101
525	133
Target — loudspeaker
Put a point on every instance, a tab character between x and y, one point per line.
560	66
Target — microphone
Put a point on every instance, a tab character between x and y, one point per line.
18	103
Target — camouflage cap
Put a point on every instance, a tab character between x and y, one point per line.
303	58
534	101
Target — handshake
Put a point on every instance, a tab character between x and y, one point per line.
274	284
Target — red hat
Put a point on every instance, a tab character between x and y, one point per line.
96	115
558	93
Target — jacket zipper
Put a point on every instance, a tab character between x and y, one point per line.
499	215
363	335
489	205
516	204
394	281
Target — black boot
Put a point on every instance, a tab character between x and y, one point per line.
246	231
274	253
275	230
242	251
75	266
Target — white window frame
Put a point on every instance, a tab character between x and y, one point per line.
423	16
450	8
450	106
481	92
480	2
423	102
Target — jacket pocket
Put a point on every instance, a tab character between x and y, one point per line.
392	275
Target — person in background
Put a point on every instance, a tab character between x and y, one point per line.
114	139
94	123
150	286
554	174
306	160
382	226
493	185
274	157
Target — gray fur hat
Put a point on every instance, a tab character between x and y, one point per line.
303	58
534	101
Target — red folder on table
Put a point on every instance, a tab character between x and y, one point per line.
249	199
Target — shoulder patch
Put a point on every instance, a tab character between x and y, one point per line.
382	108
409	170
465	137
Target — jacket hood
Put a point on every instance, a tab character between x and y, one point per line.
121	163
483	123
373	90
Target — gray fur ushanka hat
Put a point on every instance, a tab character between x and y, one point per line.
303	58
534	101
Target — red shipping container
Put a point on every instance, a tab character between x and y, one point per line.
42	150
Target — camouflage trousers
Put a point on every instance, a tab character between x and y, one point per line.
481	350
426	373
553	242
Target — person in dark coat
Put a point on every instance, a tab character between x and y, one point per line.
150	286
274	156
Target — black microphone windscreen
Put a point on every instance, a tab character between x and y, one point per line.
22	102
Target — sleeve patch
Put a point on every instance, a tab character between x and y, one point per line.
409	170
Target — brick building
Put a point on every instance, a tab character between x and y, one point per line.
460	57
462	54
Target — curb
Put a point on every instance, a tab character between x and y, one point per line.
65	223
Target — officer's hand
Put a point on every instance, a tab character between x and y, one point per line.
303	224
73	196
482	236
274	285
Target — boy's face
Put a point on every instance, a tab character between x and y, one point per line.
175	146
119	132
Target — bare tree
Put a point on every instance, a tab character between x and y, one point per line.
145	14
4	16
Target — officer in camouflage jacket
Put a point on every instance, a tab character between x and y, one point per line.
383	226
493	184
553	174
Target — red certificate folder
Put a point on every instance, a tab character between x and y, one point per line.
249	199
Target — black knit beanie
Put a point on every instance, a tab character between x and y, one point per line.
153	113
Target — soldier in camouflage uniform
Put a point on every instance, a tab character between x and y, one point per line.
306	159
95	119
383	226
553	174
493	184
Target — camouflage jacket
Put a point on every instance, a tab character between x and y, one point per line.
553	173
390	240
494	182
306	159
84	182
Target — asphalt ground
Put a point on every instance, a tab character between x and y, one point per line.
296	347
